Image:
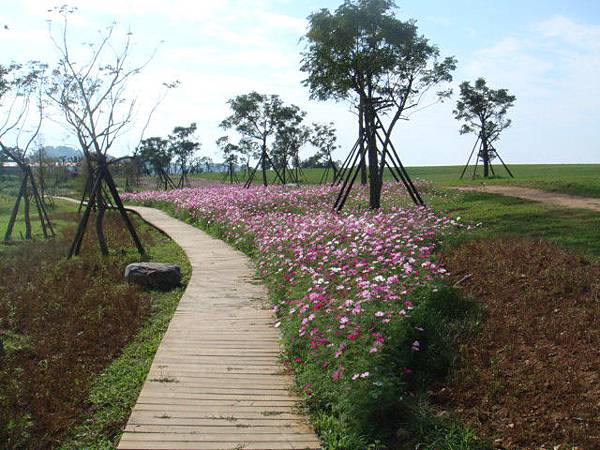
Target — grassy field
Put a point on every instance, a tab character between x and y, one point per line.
59	211
575	179
497	215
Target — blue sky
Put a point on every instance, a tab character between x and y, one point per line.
545	52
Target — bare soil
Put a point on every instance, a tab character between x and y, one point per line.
61	323
530	376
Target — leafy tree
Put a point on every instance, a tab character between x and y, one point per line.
248	149
157	152
183	147
257	117
230	151
289	139
324	139
231	154
483	112
362	53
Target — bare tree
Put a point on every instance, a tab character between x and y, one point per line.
21	114
94	97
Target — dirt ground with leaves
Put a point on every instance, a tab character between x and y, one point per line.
530	376
61	322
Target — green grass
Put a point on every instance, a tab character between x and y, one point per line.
115	391
574	179
55	212
576	229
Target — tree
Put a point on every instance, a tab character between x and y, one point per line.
323	138
362	53
93	95
483	112
183	147
21	89
289	139
257	117
230	152
157	152
248	150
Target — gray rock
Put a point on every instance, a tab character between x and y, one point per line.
154	275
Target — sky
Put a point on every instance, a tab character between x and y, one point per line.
545	52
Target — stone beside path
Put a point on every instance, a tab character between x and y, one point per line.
216	382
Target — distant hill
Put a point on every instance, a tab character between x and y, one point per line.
62	151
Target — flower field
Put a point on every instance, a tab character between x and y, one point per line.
353	294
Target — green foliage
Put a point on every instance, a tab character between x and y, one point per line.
183	145
257	116
483	110
157	152
363	48
364	51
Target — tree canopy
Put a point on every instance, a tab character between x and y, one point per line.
183	146
363	53
483	109
258	117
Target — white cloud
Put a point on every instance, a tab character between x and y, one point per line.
554	70
221	48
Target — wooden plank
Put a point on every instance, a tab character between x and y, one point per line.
233	445
241	436
216	381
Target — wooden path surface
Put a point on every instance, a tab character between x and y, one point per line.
216	382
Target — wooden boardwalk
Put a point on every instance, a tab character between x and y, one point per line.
216	382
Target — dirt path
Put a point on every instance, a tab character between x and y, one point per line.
216	381
536	195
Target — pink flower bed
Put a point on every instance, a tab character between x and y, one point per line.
342	280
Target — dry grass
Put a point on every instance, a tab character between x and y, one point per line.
531	377
61	323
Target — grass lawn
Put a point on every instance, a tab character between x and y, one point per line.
59	214
574	179
577	229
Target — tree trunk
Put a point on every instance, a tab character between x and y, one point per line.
486	155
264	162
374	178
361	131
26	211
100	225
